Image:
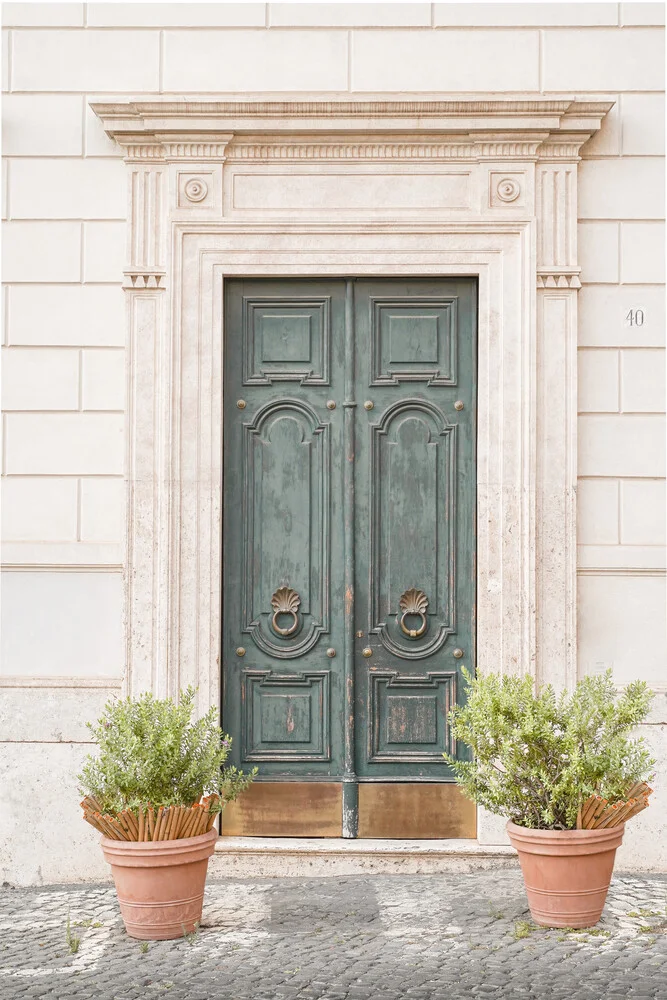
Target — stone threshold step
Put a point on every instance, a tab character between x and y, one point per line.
306	857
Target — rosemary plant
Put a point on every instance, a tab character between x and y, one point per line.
537	757
151	751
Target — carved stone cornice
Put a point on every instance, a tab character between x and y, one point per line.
208	125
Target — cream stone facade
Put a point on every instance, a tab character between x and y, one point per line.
521	143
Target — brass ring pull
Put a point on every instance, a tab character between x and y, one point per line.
285	601
413	602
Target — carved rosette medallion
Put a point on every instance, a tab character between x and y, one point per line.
195	189
508	190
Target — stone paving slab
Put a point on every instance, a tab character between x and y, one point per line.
382	937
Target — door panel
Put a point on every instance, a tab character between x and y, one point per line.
329	452
282	697
415	510
286	527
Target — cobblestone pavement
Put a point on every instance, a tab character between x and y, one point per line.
419	937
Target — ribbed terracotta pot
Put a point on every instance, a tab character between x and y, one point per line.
566	872
160	885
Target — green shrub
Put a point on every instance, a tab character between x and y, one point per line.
150	751
538	757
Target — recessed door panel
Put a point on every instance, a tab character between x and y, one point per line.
412	527
286	528
286	339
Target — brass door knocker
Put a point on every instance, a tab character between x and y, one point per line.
413	602
285	601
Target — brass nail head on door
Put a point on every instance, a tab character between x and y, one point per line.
331	404
369	404
240	651
331	652
359	635
458	653
459	404
367	651
241	404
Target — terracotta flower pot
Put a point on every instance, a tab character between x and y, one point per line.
160	884
566	872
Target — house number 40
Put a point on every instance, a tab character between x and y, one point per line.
635	318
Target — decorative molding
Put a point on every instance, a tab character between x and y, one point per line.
144	279
44	567
104	683
350	150
196	150
622	571
464	149
369	114
156	148
558	279
558	148
556	211
140	151
508	149
146	264
507	190
526	448
471	129
61	556
195	189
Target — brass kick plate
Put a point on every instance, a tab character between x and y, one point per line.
286	809
419	811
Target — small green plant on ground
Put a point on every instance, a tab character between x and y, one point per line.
537	757
494	913
522	929
73	940
191	936
143	947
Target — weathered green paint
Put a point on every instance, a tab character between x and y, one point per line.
351	507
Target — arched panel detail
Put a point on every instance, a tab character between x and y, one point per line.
286	524
413	525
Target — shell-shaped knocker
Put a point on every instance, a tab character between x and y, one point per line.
285	601
413	602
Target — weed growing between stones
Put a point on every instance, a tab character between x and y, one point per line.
73	940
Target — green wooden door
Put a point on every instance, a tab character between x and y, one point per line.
348	561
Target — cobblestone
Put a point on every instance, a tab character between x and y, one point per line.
381	937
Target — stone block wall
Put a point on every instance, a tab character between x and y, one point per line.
63	359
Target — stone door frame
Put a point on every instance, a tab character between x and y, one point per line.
265	187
